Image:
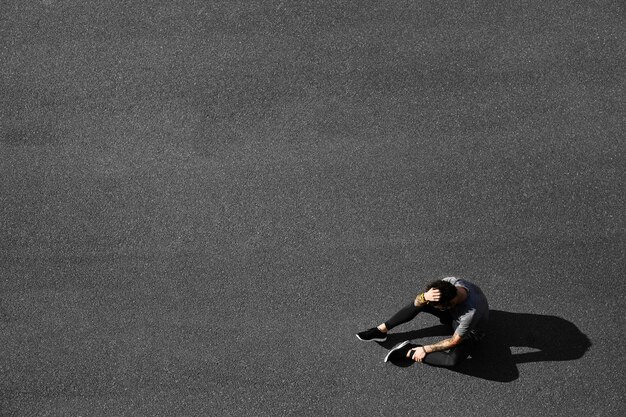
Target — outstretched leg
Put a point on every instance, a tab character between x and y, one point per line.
410	311
379	333
406	314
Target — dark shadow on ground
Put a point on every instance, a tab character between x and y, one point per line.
549	338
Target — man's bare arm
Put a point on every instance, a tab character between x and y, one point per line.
444	344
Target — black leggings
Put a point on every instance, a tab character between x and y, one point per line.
447	358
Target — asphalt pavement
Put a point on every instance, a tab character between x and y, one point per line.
201	203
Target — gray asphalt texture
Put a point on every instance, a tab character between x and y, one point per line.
202	202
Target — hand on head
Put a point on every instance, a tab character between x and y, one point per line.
432	295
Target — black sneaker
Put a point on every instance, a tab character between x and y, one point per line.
399	352
372	335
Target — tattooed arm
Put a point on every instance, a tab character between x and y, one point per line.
418	353
444	344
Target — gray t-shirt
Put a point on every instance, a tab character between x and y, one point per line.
470	317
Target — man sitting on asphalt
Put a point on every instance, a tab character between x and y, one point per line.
456	302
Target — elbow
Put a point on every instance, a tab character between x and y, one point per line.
456	340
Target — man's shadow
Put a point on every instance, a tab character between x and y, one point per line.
544	338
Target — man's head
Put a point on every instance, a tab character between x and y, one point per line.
447	293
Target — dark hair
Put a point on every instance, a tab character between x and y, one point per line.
447	290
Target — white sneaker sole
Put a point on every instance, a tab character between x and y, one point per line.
371	340
396	347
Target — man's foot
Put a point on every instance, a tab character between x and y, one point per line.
399	351
372	335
